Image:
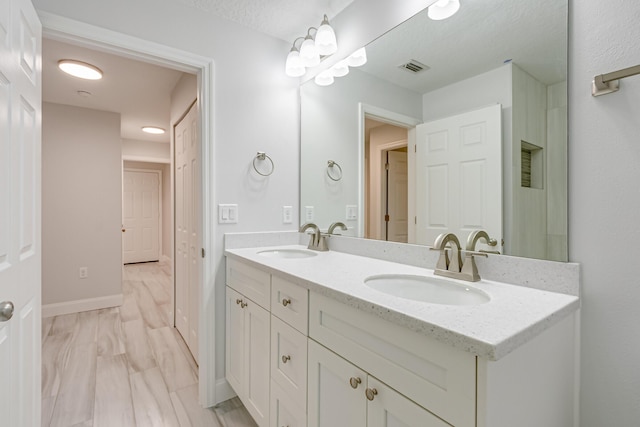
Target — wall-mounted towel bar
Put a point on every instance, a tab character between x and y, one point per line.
607	83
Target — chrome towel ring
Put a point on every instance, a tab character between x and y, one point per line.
330	167
262	156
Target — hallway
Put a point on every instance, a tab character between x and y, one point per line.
125	366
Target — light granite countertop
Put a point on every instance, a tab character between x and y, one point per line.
513	316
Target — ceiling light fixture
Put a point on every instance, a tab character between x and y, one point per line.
443	9
357	58
80	69
153	130
312	50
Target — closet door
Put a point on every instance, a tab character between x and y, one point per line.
188	228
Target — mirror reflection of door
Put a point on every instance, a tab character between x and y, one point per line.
386	192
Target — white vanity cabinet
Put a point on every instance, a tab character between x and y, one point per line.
341	394
248	326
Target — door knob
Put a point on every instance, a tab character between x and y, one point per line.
6	310
124	230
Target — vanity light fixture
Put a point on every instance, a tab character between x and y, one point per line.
80	69
443	9
325	78
340	69
312	49
153	130
357	58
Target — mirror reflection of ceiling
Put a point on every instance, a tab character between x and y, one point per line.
283	19
480	37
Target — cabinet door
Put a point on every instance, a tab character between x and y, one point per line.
333	401
284	412
234	364
257	358
391	409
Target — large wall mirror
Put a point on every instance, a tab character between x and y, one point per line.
451	125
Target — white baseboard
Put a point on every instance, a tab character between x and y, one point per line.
68	307
223	391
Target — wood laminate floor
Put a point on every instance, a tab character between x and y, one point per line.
125	366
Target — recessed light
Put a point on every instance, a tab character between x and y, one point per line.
80	69
152	129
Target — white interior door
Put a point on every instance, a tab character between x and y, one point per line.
459	175
397	197
188	228
141	216
20	213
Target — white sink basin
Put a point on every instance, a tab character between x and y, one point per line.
427	289
287	253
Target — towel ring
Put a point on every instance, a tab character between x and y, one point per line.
330	165
263	156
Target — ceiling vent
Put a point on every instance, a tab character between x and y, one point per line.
414	66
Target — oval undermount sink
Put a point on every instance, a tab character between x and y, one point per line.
427	289
287	253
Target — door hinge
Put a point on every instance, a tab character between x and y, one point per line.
415	220
386	218
415	148
202	252
386	166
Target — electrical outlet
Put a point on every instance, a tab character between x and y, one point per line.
287	214
83	272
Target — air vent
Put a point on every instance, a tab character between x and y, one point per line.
414	66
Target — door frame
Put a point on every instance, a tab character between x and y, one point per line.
397	119
160	201
67	30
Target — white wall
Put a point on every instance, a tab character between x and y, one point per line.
166	207
330	118
81	204
604	206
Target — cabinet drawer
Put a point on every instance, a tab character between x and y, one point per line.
289	360
283	411
249	281
290	303
432	374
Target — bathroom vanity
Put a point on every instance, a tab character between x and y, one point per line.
310	342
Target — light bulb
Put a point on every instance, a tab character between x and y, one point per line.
326	39
357	58
308	53
325	78
443	9
340	69
293	66
80	69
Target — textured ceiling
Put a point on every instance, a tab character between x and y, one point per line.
283	19
479	38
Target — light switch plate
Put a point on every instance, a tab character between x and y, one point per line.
227	214
352	212
309	213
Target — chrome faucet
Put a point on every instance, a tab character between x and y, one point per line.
317	241
455	267
335	225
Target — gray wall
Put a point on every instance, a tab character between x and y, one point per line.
81	203
604	207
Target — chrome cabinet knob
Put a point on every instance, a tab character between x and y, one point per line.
6	310
285	359
371	393
286	301
355	382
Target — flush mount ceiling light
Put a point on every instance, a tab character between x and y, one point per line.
443	9
153	130
312	50
80	69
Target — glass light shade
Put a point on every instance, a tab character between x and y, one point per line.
357	58
340	69
80	69
443	9
326	43
153	130
325	78
308	53
293	66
